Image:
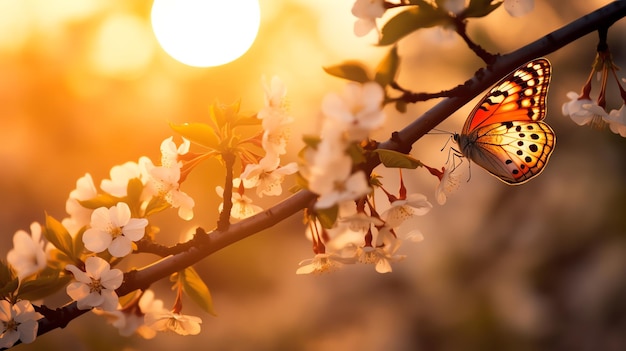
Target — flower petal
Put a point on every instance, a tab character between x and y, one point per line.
120	246
120	214
135	229
95	266
96	240
112	279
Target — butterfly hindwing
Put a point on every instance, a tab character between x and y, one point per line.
504	133
513	151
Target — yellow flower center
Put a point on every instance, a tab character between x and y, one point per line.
95	286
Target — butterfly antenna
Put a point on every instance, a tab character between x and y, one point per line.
435	131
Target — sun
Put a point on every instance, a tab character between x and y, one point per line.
205	33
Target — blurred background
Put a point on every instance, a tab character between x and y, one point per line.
85	86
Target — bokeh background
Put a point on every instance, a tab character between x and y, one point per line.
84	86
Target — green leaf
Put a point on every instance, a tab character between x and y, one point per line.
8	280
356	153
43	286
394	159
242	121
56	233
408	21
156	205
198	133
101	200
480	8
196	289
387	69
350	70
133	196
79	246
328	216
375	180
58	260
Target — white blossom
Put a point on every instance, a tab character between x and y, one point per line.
18	322
95	287
28	255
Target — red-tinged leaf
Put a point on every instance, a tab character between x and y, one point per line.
350	70
198	133
196	289
410	20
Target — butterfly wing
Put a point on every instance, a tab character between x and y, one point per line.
515	152
520	96
504	133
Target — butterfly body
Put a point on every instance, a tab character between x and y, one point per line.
505	133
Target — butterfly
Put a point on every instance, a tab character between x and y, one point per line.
505	133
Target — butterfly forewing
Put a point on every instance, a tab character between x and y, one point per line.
504	133
519	96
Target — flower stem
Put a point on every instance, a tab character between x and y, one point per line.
224	221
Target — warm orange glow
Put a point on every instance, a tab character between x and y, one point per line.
205	33
122	46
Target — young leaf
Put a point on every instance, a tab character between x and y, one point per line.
8	280
480	8
56	233
408	21
247	121
133	197
350	70
101	200
199	133
78	245
156	205
195	288
388	68
43	286
356	153
394	159
328	216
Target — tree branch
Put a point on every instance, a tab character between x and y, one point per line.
402	140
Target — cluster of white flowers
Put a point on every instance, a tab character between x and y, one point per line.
112	228
359	235
266	176
134	191
349	118
584	111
